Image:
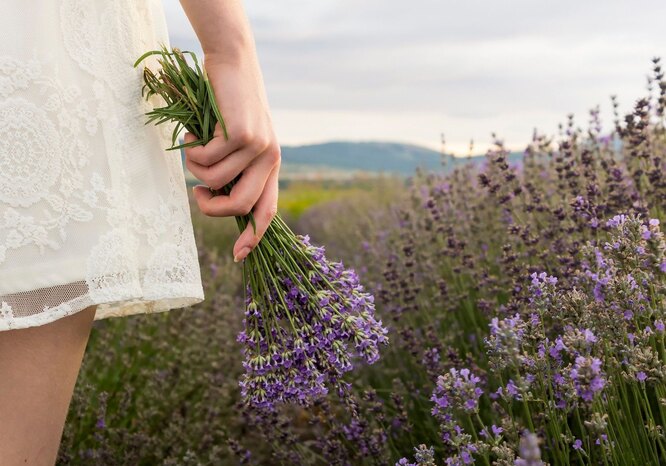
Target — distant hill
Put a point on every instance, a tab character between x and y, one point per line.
344	159
366	158
384	157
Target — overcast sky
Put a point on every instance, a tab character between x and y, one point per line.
403	71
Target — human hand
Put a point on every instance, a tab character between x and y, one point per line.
252	151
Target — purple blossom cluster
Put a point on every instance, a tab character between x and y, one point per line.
457	389
423	456
587	377
530	453
506	339
302	336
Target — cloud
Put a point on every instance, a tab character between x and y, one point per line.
513	64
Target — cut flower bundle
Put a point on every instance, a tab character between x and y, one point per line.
306	317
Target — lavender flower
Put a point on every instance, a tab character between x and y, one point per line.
456	390
302	335
496	431
530	453
587	377
424	456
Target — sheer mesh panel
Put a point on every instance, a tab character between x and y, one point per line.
29	303
45	305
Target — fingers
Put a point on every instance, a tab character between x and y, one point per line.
224	171
245	193
219	162
215	150
206	155
264	211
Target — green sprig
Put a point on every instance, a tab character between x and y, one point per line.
190	102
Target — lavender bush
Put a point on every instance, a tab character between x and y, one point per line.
526	304
516	323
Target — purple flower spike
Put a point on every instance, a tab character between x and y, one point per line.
306	334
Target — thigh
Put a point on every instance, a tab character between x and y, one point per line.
38	370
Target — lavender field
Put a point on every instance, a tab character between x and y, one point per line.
526	307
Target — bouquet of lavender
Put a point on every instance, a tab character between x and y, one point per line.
306	317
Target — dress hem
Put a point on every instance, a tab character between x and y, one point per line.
184	295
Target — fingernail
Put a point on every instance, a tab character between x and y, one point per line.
242	254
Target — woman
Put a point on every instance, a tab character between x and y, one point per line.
94	215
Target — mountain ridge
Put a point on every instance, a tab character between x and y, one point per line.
346	159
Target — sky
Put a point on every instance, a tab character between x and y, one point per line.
391	70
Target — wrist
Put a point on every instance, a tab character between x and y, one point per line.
234	49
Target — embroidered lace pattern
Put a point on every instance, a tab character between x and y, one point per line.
93	210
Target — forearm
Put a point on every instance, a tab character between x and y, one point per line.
222	28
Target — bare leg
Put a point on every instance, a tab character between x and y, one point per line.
38	370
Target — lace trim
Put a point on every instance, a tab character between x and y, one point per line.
73	297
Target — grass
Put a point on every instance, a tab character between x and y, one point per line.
299	196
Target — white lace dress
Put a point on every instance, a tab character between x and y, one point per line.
93	210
